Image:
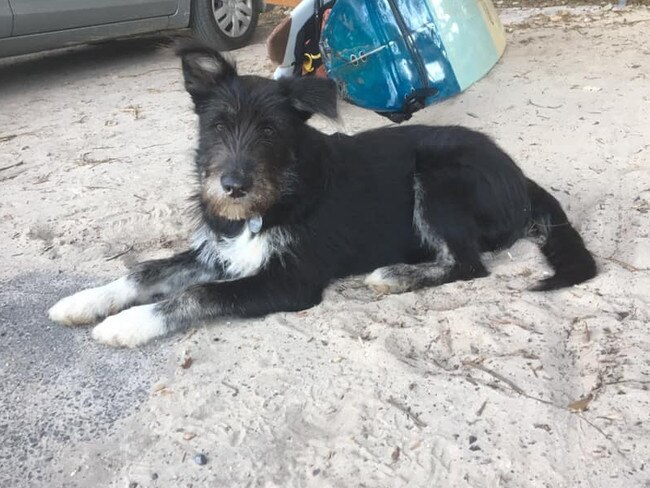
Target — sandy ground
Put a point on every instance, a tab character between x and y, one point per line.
479	384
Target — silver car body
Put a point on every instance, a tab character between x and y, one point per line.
33	25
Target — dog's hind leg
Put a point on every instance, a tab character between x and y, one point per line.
447	231
147	282
400	278
455	262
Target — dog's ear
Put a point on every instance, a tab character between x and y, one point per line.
313	96
203	69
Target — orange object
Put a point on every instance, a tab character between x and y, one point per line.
283	3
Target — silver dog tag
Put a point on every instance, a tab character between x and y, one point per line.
255	224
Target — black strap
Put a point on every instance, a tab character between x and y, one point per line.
417	99
414	102
417	59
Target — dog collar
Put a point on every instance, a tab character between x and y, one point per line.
255	224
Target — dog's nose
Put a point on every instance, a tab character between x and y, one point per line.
235	185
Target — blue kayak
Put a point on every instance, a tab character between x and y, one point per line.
398	56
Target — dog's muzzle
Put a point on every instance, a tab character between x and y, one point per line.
236	185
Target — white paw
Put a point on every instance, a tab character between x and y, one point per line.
89	306
382	284
130	328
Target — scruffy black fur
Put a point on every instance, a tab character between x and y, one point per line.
413	205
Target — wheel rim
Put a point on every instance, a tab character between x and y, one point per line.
233	17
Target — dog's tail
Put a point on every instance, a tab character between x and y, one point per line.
561	243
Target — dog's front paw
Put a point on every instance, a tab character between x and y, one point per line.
90	306
83	308
130	328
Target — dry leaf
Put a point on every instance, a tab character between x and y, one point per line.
416	445
186	362
581	405
396	453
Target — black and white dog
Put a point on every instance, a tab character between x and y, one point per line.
285	209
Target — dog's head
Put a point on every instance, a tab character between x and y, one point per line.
249	130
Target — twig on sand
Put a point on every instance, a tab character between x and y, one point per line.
86	160
135	110
12	166
554	107
622	264
148	72
407	410
499	377
233	388
8	138
156	145
99	188
608	437
15	175
115	256
11	137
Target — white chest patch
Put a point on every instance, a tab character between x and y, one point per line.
241	255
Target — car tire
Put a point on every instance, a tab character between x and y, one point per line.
212	22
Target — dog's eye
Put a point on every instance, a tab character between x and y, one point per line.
269	131
218	127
